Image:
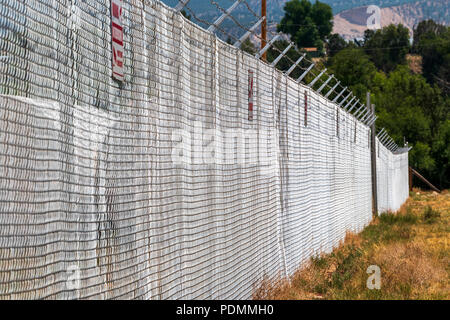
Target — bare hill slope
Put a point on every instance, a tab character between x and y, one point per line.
352	23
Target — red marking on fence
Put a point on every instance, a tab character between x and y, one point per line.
306	108
117	40
250	95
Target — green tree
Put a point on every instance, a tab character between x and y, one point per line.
307	24
186	15
407	104
354	69
335	43
441	152
248	46
387	47
410	107
322	16
432	42
420	158
426	28
286	62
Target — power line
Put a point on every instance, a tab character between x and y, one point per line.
389	48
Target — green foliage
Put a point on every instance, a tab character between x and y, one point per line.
406	98
322	16
354	69
387	47
408	105
441	154
248	46
319	261
186	15
420	157
426	29
391	227
348	264
432	42
335	43
307	24
286	62
390	218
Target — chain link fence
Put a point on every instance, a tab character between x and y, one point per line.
204	171
392	178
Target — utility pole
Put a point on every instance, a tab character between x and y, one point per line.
264	28
373	154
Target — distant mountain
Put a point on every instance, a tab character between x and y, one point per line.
275	7
352	23
348	22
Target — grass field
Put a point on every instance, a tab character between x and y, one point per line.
411	249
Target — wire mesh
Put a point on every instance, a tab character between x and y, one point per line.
392	178
160	187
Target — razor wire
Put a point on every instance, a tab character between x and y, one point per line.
162	186
314	71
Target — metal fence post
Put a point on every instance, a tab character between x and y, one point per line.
374	160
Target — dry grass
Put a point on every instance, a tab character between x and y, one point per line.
407	267
410	247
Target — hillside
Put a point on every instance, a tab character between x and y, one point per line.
350	15
275	7
352	23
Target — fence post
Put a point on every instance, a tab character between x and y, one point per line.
410	176
374	160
